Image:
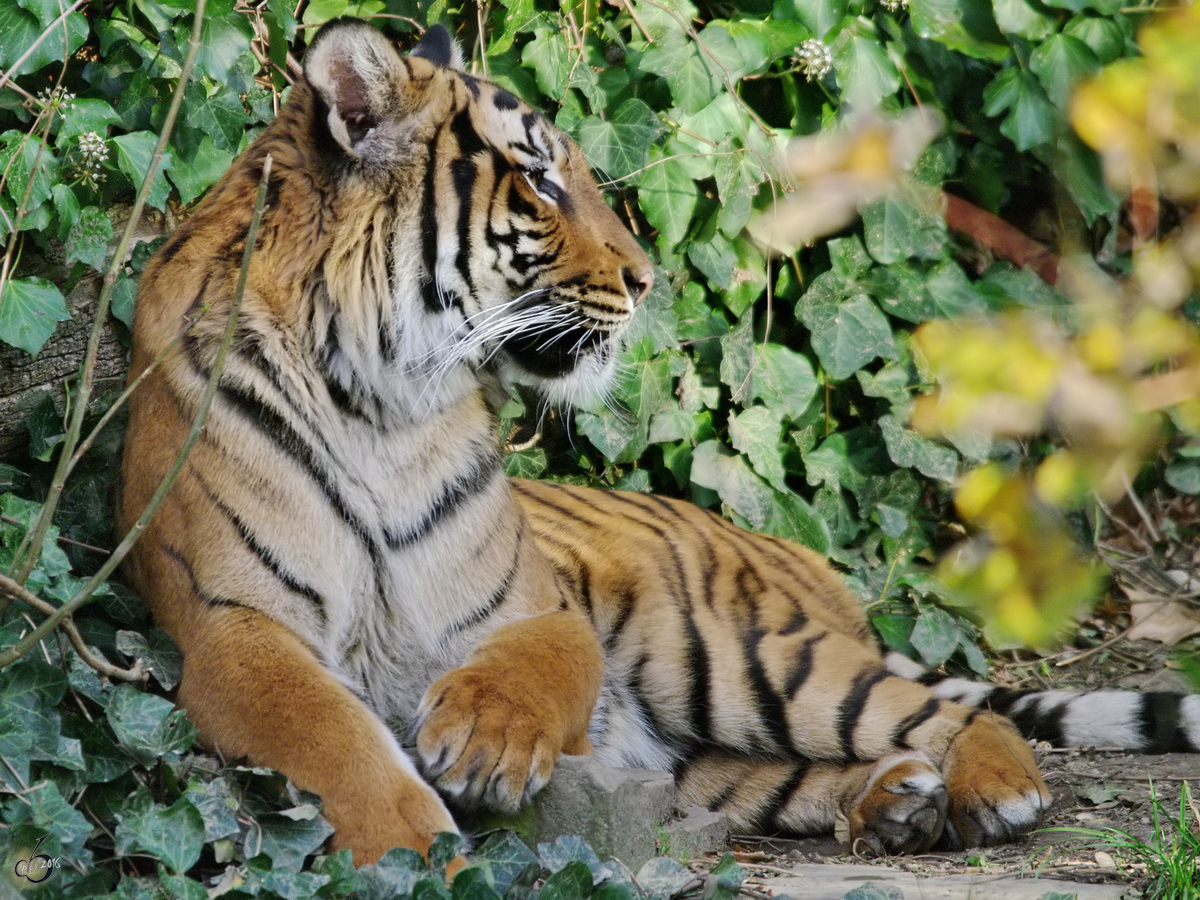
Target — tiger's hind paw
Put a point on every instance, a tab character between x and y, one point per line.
902	810
996	793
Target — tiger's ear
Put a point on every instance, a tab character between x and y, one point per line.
437	46
358	73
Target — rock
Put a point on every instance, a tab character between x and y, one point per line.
627	814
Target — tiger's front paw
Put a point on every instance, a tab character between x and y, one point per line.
482	740
902	810
996	793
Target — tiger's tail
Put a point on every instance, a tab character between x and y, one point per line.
1140	721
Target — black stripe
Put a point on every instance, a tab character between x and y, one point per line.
852	707
1162	724
265	554
464	172
803	667
429	234
204	596
454	492
771	707
625	604
906	725
783	795
495	601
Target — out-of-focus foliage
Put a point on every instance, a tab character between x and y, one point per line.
1115	377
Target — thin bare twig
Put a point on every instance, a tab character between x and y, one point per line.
135	673
27	553
210	389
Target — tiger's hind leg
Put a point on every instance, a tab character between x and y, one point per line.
893	758
896	805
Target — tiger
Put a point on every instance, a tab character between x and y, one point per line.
342	550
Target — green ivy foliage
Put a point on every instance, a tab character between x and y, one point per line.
775	390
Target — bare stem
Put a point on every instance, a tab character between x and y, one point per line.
84	594
27	553
135	674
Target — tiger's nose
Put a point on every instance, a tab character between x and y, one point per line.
638	283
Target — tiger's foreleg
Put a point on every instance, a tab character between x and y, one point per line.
255	690
490	731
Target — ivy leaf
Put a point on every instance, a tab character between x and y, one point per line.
820	15
528	463
620	146
148	726
756	432
1020	18
217	113
217	805
29	166
616	434
914	451
667	195
1103	36
505	856
30	308
86	115
952	293
737	486
572	882
567	849
224	37
1060	63
288	841
737	358
124	296
174	834
864	71
896	230
655	319
900	290
134	151
29	722
163	657
793	519
46	432
663	877
1031	116
1104	7
547	55
318	12
935	636
87	241
50	811
716	259
206	167
693	78
784	379
21	29
963	25
846	335
513	17
738	176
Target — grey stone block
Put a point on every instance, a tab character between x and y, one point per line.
628	814
694	831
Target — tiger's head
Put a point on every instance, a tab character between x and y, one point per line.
501	255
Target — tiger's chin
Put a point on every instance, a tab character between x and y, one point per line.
588	381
